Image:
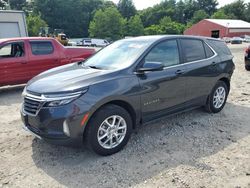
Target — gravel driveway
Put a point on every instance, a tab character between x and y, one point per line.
192	149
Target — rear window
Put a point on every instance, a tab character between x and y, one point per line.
219	46
41	47
193	49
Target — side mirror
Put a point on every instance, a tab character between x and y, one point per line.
151	66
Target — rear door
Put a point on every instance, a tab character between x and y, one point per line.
163	91
43	56
13	63
201	61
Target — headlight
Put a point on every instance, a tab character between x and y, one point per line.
53	100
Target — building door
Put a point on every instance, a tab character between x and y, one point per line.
215	34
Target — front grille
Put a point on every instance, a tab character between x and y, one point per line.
31	106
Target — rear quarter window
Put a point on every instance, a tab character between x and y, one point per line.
41	47
219	46
209	52
193	50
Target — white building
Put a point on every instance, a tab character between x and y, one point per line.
12	24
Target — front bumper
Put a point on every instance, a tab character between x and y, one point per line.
48	124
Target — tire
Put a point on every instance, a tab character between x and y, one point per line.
247	68
215	105
100	125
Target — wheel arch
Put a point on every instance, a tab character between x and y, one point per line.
226	81
122	103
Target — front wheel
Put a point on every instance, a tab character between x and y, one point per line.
109	130
217	98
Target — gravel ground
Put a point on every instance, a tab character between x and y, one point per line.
192	149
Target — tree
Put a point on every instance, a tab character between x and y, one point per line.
3	4
126	8
135	26
153	30
107	23
209	6
236	9
34	23
170	27
107	4
247	12
220	14
17	4
73	16
198	16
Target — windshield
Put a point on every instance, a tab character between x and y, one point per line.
118	55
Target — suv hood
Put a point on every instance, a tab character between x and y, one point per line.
66	78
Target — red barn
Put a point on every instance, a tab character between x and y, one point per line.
219	28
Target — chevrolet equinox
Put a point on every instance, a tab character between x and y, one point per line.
128	83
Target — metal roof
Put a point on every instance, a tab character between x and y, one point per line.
230	23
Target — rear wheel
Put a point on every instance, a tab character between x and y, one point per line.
247	68
109	130
217	98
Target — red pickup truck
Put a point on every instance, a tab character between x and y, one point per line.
23	58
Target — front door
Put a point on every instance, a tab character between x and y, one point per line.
13	63
163	91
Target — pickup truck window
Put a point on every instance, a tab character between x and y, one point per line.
41	47
15	49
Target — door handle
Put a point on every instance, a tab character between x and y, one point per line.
178	72
23	62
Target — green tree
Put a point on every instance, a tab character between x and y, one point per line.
135	26
3	4
17	4
126	8
189	9
209	6
198	16
170	27
153	15
107	4
73	16
220	14
34	23
179	12
153	30
247	12
236	9
107	23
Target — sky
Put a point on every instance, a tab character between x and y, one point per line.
141	4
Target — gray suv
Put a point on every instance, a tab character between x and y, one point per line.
130	82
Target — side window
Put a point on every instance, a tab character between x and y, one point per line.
9	50
166	52
41	47
209	52
193	49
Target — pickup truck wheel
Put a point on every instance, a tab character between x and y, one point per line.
217	98
109	130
